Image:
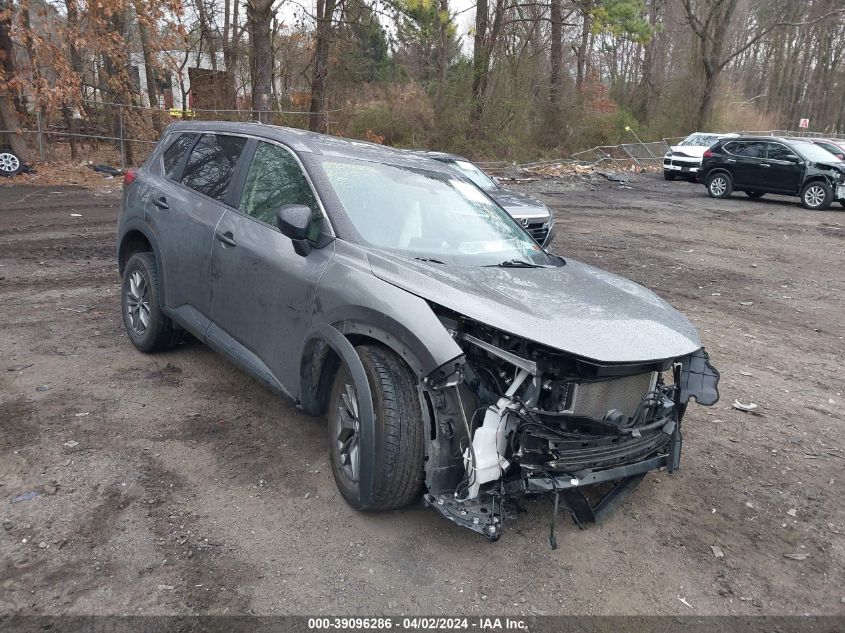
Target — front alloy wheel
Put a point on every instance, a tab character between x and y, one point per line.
398	427
816	195
346	432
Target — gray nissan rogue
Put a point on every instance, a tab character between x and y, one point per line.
454	357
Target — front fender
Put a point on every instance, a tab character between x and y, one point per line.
347	354
356	303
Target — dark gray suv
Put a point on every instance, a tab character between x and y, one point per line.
452	355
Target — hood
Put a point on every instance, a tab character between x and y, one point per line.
694	151
518	204
573	308
834	165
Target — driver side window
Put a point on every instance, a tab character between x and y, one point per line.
781	152
274	180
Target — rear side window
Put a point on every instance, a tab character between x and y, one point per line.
274	180
749	149
173	155
211	164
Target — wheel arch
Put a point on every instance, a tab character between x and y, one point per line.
320	359
441	408
137	237
818	178
718	170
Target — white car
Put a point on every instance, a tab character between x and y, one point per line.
684	160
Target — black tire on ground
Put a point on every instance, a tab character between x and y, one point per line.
720	185
842	202
10	163
668	175
399	474
755	194
816	195
140	301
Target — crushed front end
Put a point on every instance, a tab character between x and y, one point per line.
524	419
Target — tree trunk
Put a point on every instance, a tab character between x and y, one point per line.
231	38
479	60
205	32
77	66
586	26
323	34
8	113
555	59
442	54
150	65
260	17
483	45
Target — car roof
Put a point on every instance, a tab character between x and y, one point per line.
719	134
427	153
780	139
305	141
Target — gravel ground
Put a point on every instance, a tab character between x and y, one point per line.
175	484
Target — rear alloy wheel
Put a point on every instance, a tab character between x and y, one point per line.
719	185
10	163
755	194
816	195
399	458
147	326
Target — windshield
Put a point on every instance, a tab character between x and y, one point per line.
700	140
474	174
428	215
813	152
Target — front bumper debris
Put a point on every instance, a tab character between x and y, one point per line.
486	515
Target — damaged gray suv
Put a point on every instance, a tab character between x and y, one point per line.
453	356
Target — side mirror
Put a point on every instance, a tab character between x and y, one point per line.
293	221
497	180
792	158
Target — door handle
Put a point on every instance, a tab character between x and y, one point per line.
731	160
161	202
226	238
765	165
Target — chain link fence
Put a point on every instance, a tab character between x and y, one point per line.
122	135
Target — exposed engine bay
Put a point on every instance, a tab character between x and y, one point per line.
525	419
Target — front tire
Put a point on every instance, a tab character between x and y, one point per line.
719	185
147	326
668	175
816	195
398	474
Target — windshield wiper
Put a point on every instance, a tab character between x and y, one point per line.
515	263
429	259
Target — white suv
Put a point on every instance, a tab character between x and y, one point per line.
684	160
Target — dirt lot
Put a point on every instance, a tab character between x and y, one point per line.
176	484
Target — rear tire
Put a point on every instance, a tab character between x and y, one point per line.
399	475
755	194
146	325
816	195
720	185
